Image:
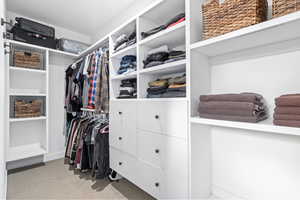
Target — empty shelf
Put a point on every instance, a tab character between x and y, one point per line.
24	151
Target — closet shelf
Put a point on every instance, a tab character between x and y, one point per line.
173	36
168	68
13	68
27	119
125	76
42	48
131	50
260	127
24	151
270	32
27	94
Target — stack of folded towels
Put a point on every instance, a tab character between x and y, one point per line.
162	55
287	111
244	107
128	89
127	64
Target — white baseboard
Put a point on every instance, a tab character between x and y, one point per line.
54	156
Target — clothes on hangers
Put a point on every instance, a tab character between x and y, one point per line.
87	83
88	146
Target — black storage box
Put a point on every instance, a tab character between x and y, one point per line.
32	38
34	27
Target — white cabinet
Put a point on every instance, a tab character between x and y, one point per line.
152	152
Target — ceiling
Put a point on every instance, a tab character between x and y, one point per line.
83	16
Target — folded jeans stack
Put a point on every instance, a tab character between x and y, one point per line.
162	55
174	21
244	107
287	111
128	89
124	41
127	64
176	87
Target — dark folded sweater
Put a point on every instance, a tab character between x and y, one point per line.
291	123
286	117
288	100
243	97
287	110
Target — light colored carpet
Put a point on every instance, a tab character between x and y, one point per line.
56	181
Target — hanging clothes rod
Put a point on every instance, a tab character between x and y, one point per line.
103	43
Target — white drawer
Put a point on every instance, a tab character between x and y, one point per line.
116	160
150	148
149	116
150	179
115	125
169	117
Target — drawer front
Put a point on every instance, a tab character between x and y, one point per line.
149	116
169	118
175	119
129	128
115	125
150	179
116	160
150	148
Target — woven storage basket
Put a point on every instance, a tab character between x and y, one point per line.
220	18
27	59
25	109
283	7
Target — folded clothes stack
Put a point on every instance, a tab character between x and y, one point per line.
287	111
127	64
124	41
172	22
244	107
128	89
167	88
162	55
176	87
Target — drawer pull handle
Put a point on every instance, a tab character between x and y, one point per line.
156	184
120	113
120	138
120	163
156	116
157	151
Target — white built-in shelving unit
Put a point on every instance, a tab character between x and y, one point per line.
28	137
237	160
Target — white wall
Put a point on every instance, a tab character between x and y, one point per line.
59	31
128	13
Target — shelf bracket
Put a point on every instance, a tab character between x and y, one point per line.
10	22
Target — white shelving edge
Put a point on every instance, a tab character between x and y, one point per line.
124	51
27	70
27	119
28	94
24	151
272	31
42	48
176	66
258	127
124	76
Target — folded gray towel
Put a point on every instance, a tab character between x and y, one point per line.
252	119
243	97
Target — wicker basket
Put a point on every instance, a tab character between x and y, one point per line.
220	18
283	7
25	109
28	59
